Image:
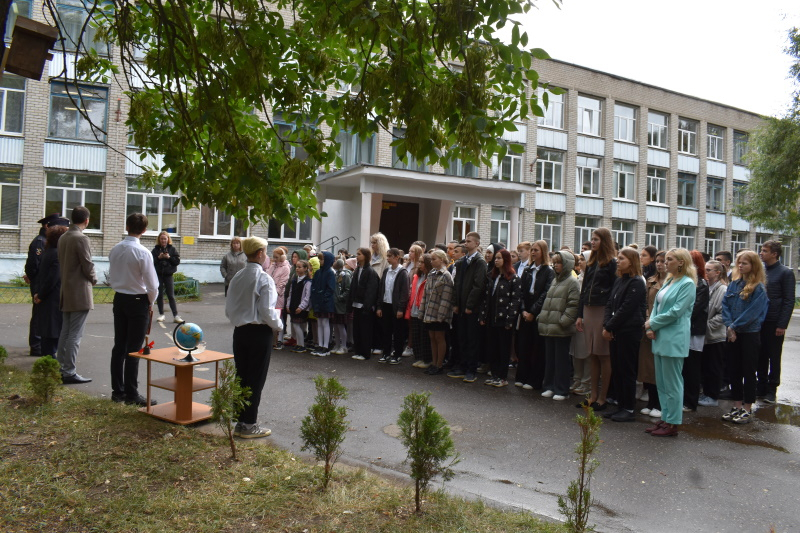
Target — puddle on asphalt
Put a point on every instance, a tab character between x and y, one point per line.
780	414
714	428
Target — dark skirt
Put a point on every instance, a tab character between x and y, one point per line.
323	315
336	318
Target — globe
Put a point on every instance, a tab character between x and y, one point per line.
188	336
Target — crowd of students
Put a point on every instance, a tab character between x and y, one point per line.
675	329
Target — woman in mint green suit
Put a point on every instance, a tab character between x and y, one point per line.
669	328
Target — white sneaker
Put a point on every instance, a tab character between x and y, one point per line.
527	387
408	352
559	398
645	411
178	319
655	413
161	318
547	394
255	432
339	351
423	364
359	358
518	384
377	352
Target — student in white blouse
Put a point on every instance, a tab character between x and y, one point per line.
250	307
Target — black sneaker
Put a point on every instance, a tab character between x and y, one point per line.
470	378
394	361
434	371
456	374
384	359
730	415
117	398
770	398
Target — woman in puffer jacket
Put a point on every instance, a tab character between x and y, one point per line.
557	325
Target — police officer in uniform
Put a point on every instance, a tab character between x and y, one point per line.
35	251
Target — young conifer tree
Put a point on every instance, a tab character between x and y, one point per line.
324	429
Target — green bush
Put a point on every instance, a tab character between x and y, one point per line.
324	428
45	378
179	276
576	505
16	281
3	355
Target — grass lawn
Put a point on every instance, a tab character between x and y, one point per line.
82	464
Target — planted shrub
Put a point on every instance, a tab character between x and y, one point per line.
45	378
3	355
426	435
324	429
576	505
228	400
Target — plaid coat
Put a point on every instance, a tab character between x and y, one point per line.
439	297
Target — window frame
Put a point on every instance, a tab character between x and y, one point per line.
464	222
216	215
716	143
7	177
786	251
685	237
554	102
628	122
411	162
497	225
79	97
737	244
96	214
548	227
715	190
460	169
4	93
583	231
355	145
740	141
70	44
653	180
656	238
582	171
629	181
163	196
623	232
687	138
511	158
738	193
545	163
684	180
713	241
590	121
658	131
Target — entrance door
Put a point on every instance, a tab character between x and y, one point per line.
400	223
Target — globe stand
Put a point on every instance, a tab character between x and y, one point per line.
189	357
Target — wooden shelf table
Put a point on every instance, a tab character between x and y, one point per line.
182	410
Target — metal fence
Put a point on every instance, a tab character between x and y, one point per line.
184	290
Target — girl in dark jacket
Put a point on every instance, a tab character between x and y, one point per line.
499	312
323	287
601	270
535	282
48	290
693	365
623	319
166	260
362	300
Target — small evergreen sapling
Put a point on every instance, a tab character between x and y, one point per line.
426	436
3	355
575	507
324	429
228	400
45	378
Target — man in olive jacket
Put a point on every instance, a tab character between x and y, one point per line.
469	286
77	279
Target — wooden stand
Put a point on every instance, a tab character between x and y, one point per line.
182	410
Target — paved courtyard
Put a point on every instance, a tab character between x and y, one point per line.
517	448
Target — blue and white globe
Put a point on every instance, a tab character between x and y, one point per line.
189	337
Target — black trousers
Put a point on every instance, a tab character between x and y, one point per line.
711	369
34	340
49	346
469	343
743	360
131	316
166	284
769	359
625	366
454	342
252	348
395	332
692	377
530	354
363	324
421	341
558	365
499	344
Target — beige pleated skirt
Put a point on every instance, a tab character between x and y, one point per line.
593	330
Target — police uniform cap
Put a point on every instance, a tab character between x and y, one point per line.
50	218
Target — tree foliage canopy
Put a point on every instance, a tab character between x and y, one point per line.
212	78
774	161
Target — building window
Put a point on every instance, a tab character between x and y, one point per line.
624	181
715	194
713	242
657	185
548	228
460	168
554	113
464	221
9	197
72	15
687	190
589	115
786	251
159	205
354	150
624	123
509	169
285	131
738	242
622	232
410	163
283	232
657	130
739	193
685	237
65	191
584	226
549	169
12	103
67	122
687	136
587	176
716	142
501	225
761	238
655	235
215	223
740	139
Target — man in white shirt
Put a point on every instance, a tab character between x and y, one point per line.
132	275
250	307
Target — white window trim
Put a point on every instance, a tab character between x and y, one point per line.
689	136
593	120
4	111
662	134
282	238
659	238
552	227
219	237
629	122
19	198
630	179
595	175
473	219
497	170
541	167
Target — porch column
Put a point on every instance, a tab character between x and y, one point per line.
444	228
513	234
366	220
316	227
377	209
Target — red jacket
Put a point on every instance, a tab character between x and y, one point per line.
416	295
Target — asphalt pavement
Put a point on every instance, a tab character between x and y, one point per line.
517	448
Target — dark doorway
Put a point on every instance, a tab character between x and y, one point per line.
400	223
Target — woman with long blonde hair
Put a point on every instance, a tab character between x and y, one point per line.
744	308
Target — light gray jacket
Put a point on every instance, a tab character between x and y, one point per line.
716	328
